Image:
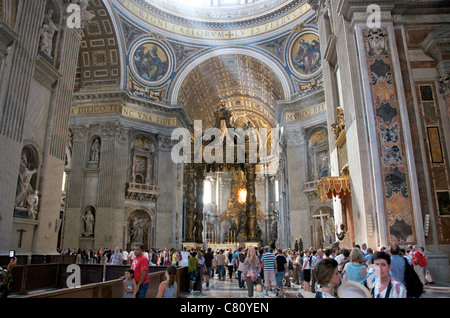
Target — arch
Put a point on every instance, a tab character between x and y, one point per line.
149	211
276	68
138	215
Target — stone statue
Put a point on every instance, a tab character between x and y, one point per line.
137	229
339	126
329	228
342	233
32	204
88	223
47	33
24	187
94	153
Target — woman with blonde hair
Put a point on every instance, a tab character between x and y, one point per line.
355	270
252	269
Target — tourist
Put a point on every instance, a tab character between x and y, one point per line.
344	260
129	284
318	256
327	276
116	258
6	278
235	265
260	255
385	286
268	259
426	272
419	264
301	274
290	263
364	248
297	266
340	256
130	256
184	257
230	265
220	261
140	267
306	270
252	269
201	269
169	288
410	253
209	257
175	257
280	268
240	259
124	257
355	270
397	263
258	291
368	257
192	271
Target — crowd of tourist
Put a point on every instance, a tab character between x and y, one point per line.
389	273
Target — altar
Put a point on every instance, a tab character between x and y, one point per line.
241	222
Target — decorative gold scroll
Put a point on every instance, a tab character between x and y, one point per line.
329	187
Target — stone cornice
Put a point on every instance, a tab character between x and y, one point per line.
7	38
437	43
45	73
124	98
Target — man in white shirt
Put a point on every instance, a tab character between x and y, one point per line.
340	257
125	257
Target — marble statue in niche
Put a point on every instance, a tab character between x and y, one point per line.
47	34
89	222
137	226
94	153
24	186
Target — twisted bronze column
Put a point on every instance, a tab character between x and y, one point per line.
190	201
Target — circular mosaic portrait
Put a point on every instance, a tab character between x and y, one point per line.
305	58
150	62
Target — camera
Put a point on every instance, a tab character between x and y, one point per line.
12	254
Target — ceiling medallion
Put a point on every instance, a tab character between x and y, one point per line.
304	55
150	62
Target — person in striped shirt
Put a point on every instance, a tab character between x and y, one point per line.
269	269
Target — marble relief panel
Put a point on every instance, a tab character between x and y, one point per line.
394	169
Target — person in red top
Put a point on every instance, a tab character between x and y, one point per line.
140	267
419	263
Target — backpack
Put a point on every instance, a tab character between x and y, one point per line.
414	287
